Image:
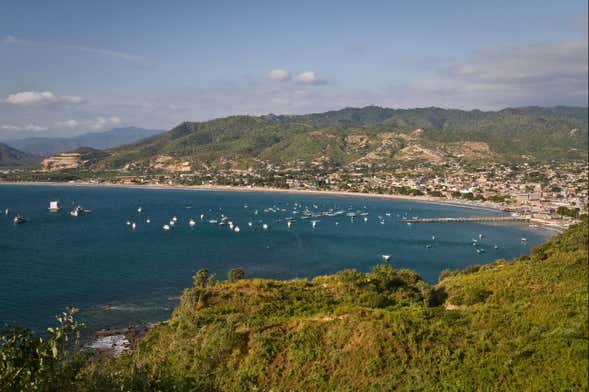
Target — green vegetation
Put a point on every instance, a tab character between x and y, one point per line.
520	325
344	136
565	211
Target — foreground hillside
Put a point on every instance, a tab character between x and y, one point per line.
363	136
512	326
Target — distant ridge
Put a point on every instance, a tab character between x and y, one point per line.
11	157
45	146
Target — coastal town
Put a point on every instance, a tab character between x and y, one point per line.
553	195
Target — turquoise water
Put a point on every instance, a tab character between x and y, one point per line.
119	276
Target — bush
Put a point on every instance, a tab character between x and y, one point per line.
235	274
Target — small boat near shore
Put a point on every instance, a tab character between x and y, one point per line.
54	206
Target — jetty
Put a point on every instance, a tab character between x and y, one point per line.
468	219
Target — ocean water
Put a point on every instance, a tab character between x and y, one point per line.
118	276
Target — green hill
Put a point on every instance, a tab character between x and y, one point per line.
532	133
511	326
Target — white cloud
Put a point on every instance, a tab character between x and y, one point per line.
30	127
29	98
102	122
279	74
12	40
67	124
309	77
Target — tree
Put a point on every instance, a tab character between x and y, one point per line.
235	274
200	278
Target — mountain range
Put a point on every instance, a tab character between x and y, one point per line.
364	136
45	146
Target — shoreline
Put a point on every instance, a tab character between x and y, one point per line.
231	188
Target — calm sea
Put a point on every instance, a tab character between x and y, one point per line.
120	276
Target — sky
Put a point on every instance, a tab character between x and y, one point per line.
69	67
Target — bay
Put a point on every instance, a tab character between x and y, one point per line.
119	276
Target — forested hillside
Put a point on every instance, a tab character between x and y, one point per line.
386	135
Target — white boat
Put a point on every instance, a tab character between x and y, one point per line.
289	224
133	225
19	219
128	223
250	224
191	222
148	220
496	247
54	206
76	211
265	226
365	219
213	221
172	223
524	239
433	237
386	257
237	229
174	219
314	223
166	227
428	246
202	216
139	209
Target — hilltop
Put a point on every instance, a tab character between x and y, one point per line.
11	157
364	136
519	325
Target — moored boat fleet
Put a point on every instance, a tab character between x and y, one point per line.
296	214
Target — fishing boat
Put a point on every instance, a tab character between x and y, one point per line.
19	219
386	257
76	211
54	206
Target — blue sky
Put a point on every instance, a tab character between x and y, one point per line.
72	66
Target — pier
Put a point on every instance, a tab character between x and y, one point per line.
468	219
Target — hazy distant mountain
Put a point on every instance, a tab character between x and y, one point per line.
365	135
11	157
45	146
